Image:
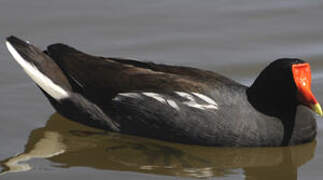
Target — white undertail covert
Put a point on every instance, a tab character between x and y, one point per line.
39	78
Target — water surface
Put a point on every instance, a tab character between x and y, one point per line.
234	38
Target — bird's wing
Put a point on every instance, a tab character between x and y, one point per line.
100	79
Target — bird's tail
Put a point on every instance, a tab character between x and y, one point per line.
41	68
50	78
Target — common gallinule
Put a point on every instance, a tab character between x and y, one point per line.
174	103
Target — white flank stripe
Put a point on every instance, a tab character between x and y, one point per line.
205	98
43	81
185	95
173	104
201	106
211	104
131	95
156	96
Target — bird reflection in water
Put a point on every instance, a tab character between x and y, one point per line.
69	144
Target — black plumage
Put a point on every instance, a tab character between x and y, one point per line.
174	103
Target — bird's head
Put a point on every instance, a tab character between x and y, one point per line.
284	84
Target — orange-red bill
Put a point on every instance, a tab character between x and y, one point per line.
303	79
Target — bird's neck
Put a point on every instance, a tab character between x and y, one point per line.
275	103
271	101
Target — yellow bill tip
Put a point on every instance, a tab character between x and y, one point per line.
317	108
